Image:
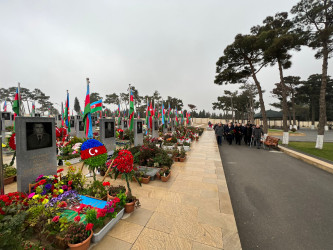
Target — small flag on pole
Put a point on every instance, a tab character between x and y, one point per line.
67	113
5	106
87	114
131	112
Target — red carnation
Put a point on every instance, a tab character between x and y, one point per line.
70	183
106	183
77	218
60	170
89	226
55	219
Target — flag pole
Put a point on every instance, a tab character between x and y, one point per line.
19	98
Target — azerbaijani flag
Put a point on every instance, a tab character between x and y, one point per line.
87	115
33	109
138	114
187	117
5	106
66	116
147	111
163	114
176	116
119	118
151	115
169	111
131	112
96	106
16	106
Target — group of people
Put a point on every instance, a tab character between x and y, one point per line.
249	132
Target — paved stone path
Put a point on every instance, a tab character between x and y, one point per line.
279	202
190	211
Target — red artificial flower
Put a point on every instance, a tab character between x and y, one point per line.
106	183
124	161
62	204
77	218
101	213
55	219
70	183
41	182
116	200
89	227
60	170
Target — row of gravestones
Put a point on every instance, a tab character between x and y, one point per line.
36	145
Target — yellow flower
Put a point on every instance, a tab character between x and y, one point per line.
45	201
61	191
36	196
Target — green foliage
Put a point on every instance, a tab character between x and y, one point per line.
163	159
91	217
9	171
77	107
128	135
77	177
76	233
122	198
96	189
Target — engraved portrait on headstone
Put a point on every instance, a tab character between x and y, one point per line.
155	125
39	135
125	124
139	127
38	115
71	123
78	117
81	126
59	117
109	129
5	116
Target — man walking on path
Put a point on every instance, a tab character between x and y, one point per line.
256	134
219	134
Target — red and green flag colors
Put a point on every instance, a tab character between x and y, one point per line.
119	117
131	112
96	106
5	106
163	114
33	109
147	111
16	105
151	115
176	117
66	116
87	115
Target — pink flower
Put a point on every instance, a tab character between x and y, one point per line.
31	195
55	219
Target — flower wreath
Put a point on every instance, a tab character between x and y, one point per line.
93	153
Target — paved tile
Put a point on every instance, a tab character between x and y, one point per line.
126	231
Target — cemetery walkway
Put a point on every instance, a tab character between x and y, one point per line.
280	202
190	211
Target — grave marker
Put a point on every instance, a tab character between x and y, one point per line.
138	132
35	149
108	133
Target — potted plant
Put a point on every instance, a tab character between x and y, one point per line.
165	175
175	154
182	155
96	190
114	190
10	174
79	235
123	164
142	177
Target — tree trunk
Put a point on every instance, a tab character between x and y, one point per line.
322	100
261	99
293	107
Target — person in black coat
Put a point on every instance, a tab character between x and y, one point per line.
238	133
247	134
229	132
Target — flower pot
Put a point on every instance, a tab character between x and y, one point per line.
143	180
175	159
166	178
158	176
182	159
83	245
197	138
129	207
9	180
99	236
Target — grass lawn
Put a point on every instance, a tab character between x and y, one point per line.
309	148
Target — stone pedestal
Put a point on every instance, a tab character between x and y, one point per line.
35	149
78	118
8	118
155	129
138	132
2	131
107	133
58	121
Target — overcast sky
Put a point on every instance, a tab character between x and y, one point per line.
169	46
